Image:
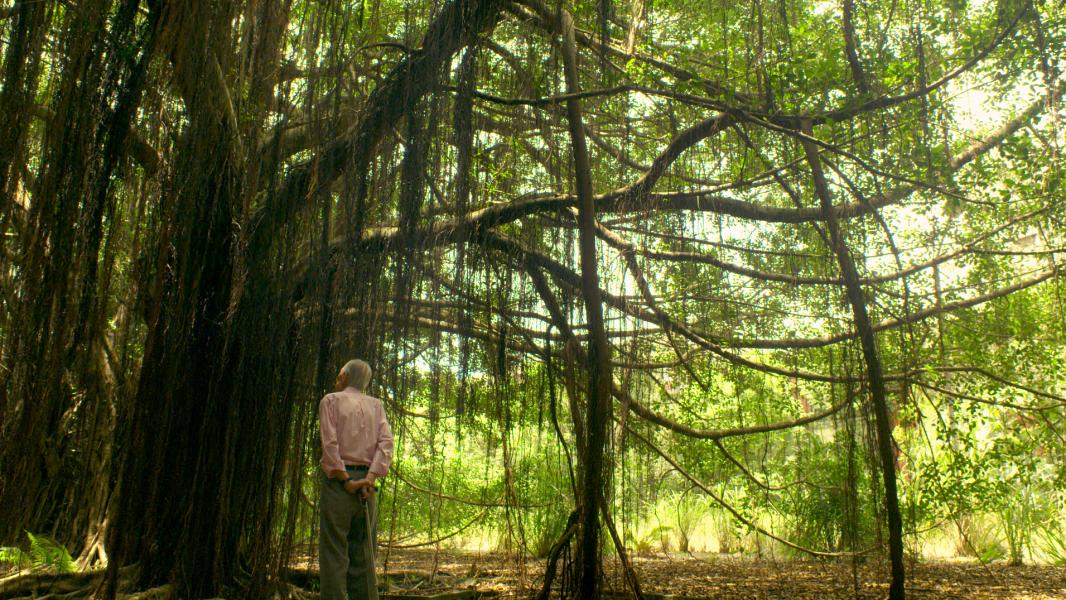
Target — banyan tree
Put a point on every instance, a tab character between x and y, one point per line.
205	207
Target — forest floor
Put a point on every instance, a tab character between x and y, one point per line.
726	577
453	575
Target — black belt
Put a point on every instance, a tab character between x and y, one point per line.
356	467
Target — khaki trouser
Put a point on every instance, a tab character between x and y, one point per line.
346	539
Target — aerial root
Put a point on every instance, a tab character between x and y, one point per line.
36	585
41	585
84	586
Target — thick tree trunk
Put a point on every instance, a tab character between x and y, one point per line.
21	72
42	343
597	415
173	515
874	369
213	420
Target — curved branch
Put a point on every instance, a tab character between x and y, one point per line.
696	257
998	379
770	488
818	342
455	26
568	277
546	19
461	529
720	434
477	222
969	398
736	514
850	47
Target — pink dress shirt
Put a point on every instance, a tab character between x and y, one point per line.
354	432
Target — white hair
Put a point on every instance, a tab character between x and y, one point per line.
358	373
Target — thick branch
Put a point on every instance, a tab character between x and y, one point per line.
733	511
545	17
599	351
932	311
475	223
850	47
857	299
456	25
719	434
137	147
1001	380
978	400
572	280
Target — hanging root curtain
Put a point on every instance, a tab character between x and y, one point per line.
649	240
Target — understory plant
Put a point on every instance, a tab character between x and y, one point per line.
45	554
1052	543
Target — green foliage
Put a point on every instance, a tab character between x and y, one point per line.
545	527
45	554
652	540
1052	542
963	457
542	484
825	512
980	538
687	508
17	557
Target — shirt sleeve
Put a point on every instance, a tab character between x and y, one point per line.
383	453
331	455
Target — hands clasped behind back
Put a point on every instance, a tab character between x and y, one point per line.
363	487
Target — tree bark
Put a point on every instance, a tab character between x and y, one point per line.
458	24
874	369
599	383
851	49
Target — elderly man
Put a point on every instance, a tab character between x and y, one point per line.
356	450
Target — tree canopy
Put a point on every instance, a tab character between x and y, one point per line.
805	255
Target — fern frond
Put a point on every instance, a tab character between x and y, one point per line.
15	556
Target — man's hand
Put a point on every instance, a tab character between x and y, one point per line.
364	487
